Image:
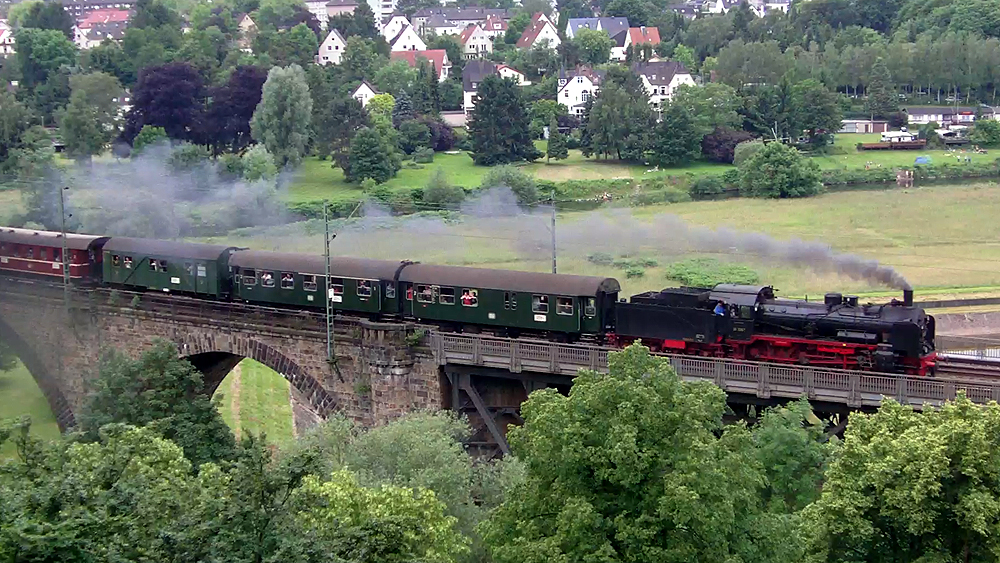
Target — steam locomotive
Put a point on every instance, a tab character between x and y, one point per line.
728	321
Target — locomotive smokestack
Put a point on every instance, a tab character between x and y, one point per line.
908	297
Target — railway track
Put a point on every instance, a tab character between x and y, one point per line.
967	367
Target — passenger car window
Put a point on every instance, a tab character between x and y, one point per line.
364	288
128	262
390	290
163	265
470	297
42	254
287	280
55	255
267	279
336	286
590	308
31	253
152	265
564	305
447	296
309	283
189	268
202	272
249	277
425	294
539	303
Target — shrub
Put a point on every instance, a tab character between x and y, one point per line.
720	145
521	183
443	137
440	193
669	194
779	171
707	187
634	272
601	259
230	166
986	132
745	150
423	155
626	263
708	272
413	135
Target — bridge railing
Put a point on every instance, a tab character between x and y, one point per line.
763	380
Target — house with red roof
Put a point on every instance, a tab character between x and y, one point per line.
541	31
634	37
476	44
100	24
437	57
494	26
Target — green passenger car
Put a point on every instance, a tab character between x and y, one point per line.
522	301
356	284
168	266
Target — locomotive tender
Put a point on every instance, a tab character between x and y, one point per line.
731	321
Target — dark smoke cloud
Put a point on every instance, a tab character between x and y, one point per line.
494	221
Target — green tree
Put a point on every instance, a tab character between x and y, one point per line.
257	164
402	109
499	124
360	23
369	158
41	52
986	132
425	92
714	105
619	122
15	120
281	120
676	139
162	391
778	170
413	135
147	136
881	100
394	78
793	449
816	111
360	59
636	465
338	121
441	193
594	46
556	148
516	180
909	486
91	119
381	107
49	15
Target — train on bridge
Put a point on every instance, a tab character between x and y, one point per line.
727	321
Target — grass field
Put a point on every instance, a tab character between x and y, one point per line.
19	396
255	398
10	205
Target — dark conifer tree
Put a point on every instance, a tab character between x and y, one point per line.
499	125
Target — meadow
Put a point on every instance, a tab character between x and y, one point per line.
20	396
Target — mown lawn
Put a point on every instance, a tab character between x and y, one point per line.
10	205
254	398
20	396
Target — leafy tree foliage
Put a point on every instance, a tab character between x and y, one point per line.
170	96
507	176
90	120
413	135
232	107
986	132
556	148
499	124
882	99
257	164
778	170
339	120
15	121
369	158
425	92
912	486
360	59
676	139
281	120
49	15
439	192
162	391
148	135
619	122
40	53
713	105
636	465
816	111
360	23
720	144
594	46
154	14
402	109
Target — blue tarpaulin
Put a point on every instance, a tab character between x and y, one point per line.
923	160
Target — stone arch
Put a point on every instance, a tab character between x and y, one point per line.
217	357
46	380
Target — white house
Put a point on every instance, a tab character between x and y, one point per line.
611	26
510	72
576	87
395	24
661	78
476	44
407	40
898	137
541	31
364	93
440	25
331	50
494	26
318	9
437	57
6	42
474	73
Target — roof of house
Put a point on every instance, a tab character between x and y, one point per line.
467	33
660	72
334	3
686	9
109	30
400	34
595	76
508	67
611	26
104	15
436	57
531	32
335	34
643	34
474	73
364	83
494	23
620	39
438	20
466	13
942	110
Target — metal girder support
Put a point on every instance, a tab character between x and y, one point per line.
836	429
465	384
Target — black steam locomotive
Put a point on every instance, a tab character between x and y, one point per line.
749	322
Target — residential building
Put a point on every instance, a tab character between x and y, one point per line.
633	37
318	9
437	57
248	29
863	126
364	93
407	40
6	41
474	73
440	25
331	50
494	26
98	25
510	72
611	26
80	8
336	8
476	44
577	86
541	31
947	115
393	25
463	17
661	78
